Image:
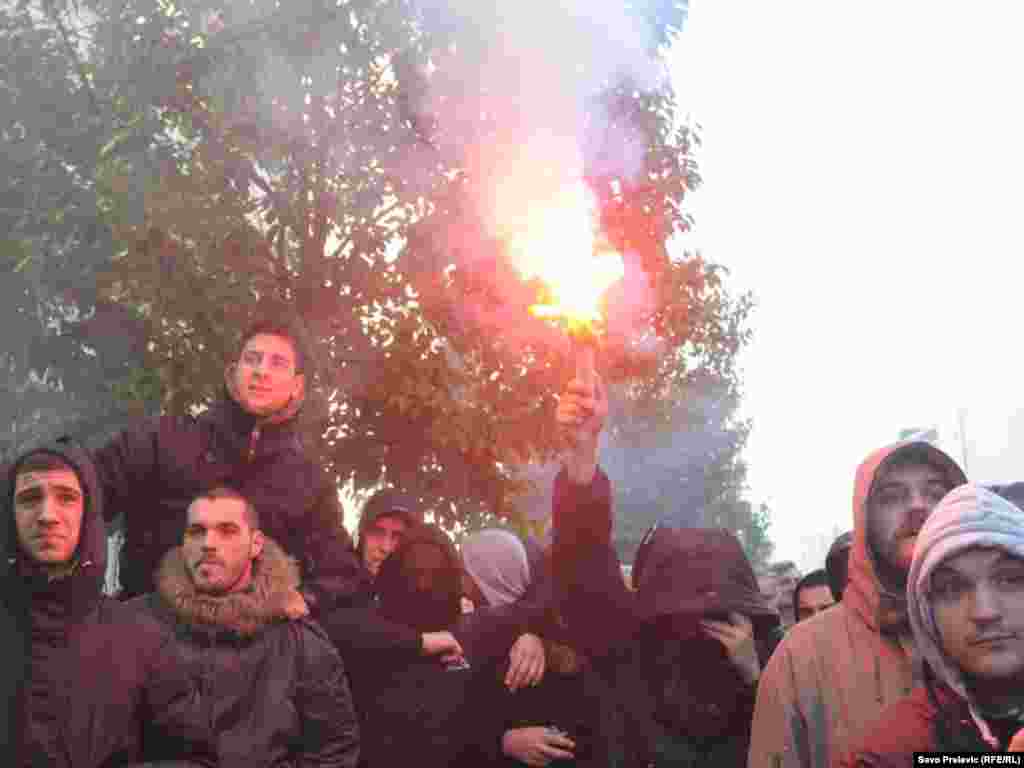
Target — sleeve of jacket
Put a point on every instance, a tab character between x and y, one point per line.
487	634
598	608
778	737
359	627
176	731
331	573
128	462
330	727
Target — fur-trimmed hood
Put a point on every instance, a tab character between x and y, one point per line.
275	576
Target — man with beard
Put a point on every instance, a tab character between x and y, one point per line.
249	439
273	689
966	606
84	685
832	674
682	655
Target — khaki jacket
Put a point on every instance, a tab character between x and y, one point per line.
833	674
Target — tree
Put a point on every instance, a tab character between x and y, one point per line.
305	157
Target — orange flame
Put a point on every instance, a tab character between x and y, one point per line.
560	245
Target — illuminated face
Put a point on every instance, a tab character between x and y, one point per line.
220	545
380	539
48	509
812	600
900	503
266	379
977	600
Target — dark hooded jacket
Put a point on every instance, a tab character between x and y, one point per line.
415	711
85	685
683	701
274	690
834	673
151	474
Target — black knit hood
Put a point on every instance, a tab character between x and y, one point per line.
91	554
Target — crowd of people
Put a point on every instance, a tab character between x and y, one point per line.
252	631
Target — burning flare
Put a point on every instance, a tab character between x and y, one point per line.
559	243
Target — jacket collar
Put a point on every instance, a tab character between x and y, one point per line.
245	613
251	435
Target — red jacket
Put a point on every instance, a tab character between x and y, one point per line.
916	724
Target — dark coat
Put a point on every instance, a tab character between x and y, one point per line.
84	685
486	635
417	712
571	703
151	474
274	690
413	710
682	701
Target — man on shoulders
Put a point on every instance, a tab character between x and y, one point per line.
249	440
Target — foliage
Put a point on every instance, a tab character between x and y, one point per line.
210	160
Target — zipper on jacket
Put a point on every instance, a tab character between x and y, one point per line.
254	438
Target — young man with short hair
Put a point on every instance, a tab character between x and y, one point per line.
812	595
248	439
274	688
832	674
84	686
386	517
966	606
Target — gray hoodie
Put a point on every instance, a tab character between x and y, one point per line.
969	516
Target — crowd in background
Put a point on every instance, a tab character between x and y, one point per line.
251	630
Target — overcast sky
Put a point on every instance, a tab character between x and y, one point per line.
863	166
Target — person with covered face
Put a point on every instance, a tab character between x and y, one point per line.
683	654
273	688
358	625
833	674
965	597
418	710
387	518
84	685
248	439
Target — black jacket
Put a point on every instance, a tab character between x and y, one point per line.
151	474
84	686
414	711
274	691
682	702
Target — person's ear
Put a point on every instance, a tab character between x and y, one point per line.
299	393
256	547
